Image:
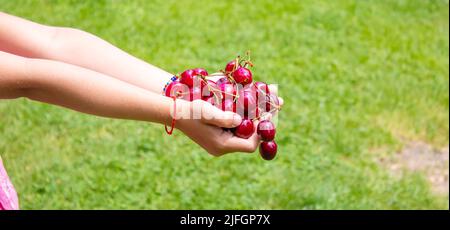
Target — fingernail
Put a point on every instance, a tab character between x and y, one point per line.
236	120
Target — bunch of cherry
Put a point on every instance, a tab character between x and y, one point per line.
235	91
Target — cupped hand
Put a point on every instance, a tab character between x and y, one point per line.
206	130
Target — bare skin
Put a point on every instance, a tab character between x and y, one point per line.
79	71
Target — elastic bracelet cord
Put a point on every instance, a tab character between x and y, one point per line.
173	118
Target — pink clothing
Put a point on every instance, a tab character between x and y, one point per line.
8	195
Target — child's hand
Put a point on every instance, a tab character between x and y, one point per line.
208	133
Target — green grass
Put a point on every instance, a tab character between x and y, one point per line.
355	75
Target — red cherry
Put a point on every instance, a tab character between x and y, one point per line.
261	88
245	129
169	87
268	103
247	87
266	130
231	66
274	103
268	150
246	103
228	105
177	89
200	71
223	80
242	76
263	101
194	93
228	91
206	92
210	100
187	77
212	83
262	92
198	82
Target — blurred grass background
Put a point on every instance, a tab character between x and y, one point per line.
359	79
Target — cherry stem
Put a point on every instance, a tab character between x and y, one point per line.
258	117
216	74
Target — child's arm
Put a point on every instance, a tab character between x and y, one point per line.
91	92
76	47
29	39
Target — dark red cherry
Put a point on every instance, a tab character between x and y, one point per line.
210	100
229	105
223	80
242	76
231	66
208	88
187	77
200	71
261	88
273	103
228	91
169	87
245	129
177	89
246	103
268	150
266	130
195	93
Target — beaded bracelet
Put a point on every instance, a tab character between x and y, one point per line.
172	79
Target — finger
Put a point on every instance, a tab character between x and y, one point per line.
237	144
255	123
214	116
